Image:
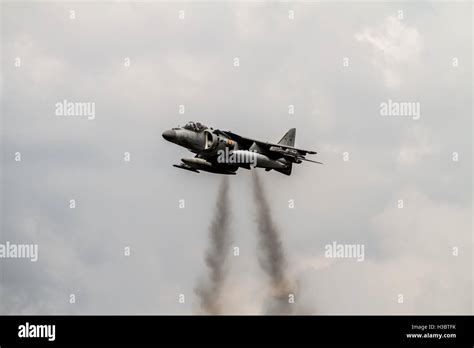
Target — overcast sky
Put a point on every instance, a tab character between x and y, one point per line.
402	56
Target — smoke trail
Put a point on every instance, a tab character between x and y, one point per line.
209	290
272	258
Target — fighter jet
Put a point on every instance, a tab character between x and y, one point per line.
224	152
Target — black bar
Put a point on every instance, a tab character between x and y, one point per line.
290	330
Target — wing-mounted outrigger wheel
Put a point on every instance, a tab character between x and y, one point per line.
185	167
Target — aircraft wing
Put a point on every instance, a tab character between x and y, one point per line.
279	148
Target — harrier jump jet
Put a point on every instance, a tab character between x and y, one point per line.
224	152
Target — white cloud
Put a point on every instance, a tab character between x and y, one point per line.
393	44
416	248
418	144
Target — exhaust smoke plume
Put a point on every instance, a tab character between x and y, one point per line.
272	257
209	290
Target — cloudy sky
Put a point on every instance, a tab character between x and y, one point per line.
336	63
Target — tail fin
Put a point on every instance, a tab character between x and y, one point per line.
289	138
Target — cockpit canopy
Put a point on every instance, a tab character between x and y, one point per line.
196	127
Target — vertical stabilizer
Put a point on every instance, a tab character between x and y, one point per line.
289	138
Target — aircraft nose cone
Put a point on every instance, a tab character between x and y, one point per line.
169	135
